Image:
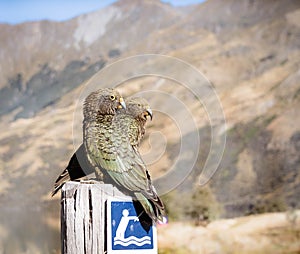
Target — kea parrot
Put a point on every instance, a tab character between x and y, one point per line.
110	149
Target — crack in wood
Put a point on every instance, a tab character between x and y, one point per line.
83	217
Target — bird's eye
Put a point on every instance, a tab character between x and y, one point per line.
139	105
112	97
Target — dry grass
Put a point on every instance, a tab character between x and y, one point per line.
260	234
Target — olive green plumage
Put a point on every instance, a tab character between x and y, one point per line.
99	109
113	150
111	136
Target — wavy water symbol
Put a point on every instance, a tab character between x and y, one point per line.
132	240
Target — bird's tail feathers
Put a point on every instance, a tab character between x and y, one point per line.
60	181
153	206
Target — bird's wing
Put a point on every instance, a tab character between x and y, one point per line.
127	168
115	151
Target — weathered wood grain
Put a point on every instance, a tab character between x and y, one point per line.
83	216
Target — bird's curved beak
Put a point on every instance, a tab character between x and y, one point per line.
122	103
149	113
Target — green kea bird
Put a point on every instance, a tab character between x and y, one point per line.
112	153
116	158
99	109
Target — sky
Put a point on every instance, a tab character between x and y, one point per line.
18	11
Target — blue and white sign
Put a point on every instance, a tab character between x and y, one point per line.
125	232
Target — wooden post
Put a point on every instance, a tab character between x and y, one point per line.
83	220
97	218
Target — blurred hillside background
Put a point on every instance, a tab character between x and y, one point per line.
248	49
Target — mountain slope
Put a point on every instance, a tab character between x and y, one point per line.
250	52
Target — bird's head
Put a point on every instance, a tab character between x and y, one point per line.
139	108
103	101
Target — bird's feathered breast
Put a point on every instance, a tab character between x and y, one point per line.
98	136
111	144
